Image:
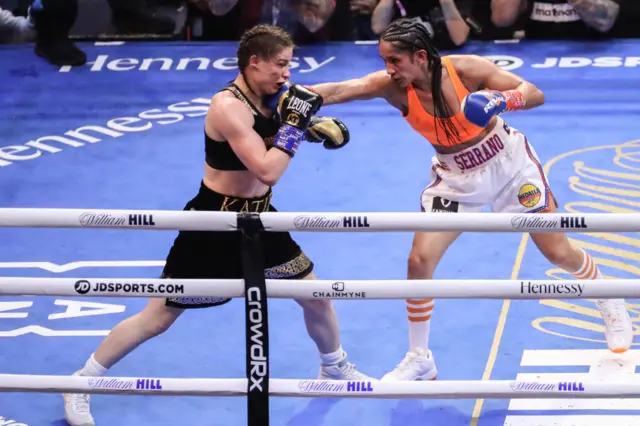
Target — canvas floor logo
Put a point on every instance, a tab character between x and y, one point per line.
509	63
14	313
112	63
605	179
112	129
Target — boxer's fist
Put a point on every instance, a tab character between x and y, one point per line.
273	101
331	132
296	108
480	107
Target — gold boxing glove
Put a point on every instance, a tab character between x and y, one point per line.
331	132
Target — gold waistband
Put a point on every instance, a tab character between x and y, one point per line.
246	205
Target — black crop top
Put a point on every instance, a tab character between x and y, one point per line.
219	154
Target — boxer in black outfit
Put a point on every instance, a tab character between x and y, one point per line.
248	147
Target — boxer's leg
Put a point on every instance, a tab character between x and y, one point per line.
558	250
193	255
426	252
285	260
322	326
530	193
154	319
321	322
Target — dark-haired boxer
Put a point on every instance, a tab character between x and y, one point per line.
241	167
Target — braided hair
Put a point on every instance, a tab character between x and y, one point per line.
411	35
264	41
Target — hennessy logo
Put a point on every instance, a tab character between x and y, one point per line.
551	288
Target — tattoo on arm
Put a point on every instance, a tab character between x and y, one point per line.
599	14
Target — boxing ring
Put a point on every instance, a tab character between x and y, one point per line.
258	386
124	131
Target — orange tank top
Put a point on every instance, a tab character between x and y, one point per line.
424	123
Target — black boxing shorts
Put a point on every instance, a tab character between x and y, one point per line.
216	254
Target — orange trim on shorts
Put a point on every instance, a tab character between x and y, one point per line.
549	198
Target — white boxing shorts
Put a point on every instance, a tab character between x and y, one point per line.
502	171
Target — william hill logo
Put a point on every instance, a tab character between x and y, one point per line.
330	222
573	222
148	384
334	387
359	387
355	222
108	220
141	220
570	387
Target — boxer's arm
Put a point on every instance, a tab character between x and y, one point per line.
483	74
374	85
234	122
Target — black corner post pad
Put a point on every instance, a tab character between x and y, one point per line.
257	325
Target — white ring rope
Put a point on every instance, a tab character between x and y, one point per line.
321	222
324	289
472	389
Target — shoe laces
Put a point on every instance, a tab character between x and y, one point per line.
616	313
80	403
409	361
350	372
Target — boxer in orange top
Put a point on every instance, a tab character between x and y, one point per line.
455	102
